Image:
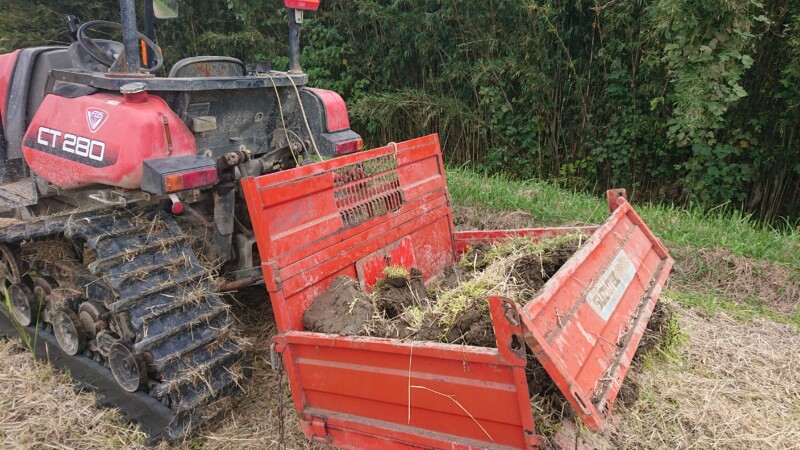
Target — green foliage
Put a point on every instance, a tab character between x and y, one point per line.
395	272
695	227
677	100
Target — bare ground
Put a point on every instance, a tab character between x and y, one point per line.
737	278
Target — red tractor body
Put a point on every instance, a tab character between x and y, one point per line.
135	175
103	139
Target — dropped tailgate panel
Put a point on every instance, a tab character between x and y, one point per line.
586	324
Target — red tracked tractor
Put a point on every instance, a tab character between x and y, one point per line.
120	190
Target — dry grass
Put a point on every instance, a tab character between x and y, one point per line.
9	221
257	419
730	385
39	409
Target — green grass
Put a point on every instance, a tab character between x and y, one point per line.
692	227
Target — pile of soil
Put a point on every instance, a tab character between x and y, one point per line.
343	309
454	311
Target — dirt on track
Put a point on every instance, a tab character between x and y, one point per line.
43	409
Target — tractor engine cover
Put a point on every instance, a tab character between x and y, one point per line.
102	138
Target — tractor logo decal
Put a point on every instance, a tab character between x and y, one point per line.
81	149
95	118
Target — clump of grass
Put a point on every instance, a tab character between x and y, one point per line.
514	268
470	294
394	271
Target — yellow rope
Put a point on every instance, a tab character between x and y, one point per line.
303	111
283	122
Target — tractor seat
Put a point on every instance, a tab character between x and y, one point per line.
207	67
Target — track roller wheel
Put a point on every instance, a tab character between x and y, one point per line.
129	370
24	305
42	287
89	314
9	269
69	332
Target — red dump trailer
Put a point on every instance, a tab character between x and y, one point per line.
355	215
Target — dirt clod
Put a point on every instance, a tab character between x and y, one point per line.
343	309
477	256
398	293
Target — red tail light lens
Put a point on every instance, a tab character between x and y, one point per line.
181	181
343	148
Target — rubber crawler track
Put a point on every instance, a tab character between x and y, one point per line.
147	275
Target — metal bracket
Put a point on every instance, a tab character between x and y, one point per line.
319	428
274	360
615	198
116	198
508	330
298	16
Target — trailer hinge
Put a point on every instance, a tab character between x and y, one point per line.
319	429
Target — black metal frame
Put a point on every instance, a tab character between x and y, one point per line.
149	30
130	38
100	81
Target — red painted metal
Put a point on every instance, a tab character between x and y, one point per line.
336	118
613	196
384	393
102	138
356	214
346	147
317	222
586	324
7	63
310	5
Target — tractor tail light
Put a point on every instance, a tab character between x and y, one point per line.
181	181
343	148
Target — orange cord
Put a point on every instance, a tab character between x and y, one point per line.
144	52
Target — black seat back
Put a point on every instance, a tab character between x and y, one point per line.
27	91
207	67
